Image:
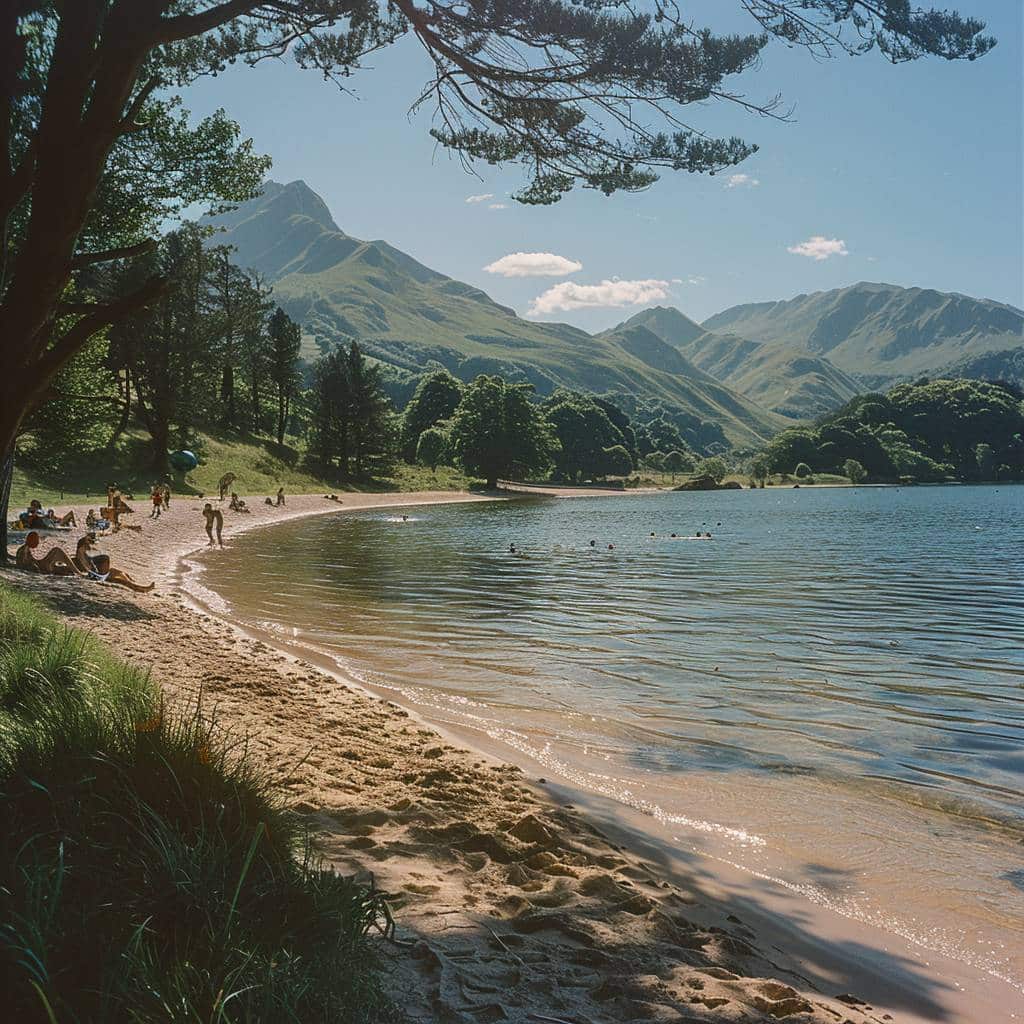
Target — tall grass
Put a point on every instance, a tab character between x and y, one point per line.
148	871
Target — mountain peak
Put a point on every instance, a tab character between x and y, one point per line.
296	198
667	322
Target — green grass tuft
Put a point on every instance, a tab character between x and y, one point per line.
148	871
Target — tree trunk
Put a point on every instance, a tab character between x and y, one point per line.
281	414
126	409
6	474
161	436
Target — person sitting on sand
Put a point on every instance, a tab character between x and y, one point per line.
214	518
280	496
98	567
91	564
54	563
237	504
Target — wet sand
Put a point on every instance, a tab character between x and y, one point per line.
515	900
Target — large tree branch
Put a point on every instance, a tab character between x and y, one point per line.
126	252
186	26
98	318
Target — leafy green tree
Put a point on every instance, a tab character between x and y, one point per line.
285	341
584	432
677	462
329	402
432	448
655	461
988	466
785	450
714	468
665	437
370	429
496	431
166	347
616	461
436	397
80	415
759	469
854	471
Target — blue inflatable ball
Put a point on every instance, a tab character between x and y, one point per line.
183	460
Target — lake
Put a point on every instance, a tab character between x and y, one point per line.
829	693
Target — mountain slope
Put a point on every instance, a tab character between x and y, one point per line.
880	329
406	314
779	377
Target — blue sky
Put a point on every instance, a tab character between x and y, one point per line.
916	170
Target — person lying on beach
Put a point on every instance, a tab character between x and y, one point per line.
65	520
99	568
214	518
54	563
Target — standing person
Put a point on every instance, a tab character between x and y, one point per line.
165	490
280	496
214	518
156	495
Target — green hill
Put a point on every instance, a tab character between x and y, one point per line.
880	330
407	315
789	381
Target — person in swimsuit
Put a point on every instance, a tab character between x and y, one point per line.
280	497
91	567
54	563
214	517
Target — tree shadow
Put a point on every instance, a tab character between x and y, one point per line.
67	595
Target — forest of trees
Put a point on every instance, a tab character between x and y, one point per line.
214	355
927	431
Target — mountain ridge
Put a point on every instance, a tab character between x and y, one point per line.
403	312
878	329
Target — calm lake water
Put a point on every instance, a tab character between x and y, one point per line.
830	693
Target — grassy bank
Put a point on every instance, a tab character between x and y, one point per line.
148	872
260	467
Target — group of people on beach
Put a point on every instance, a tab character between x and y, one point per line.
57	562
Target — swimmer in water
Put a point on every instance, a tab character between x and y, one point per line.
611	547
593	543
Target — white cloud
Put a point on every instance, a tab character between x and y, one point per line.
818	247
497	206
742	181
696	279
482	198
533	264
613	293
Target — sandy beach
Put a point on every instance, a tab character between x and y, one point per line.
512	903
